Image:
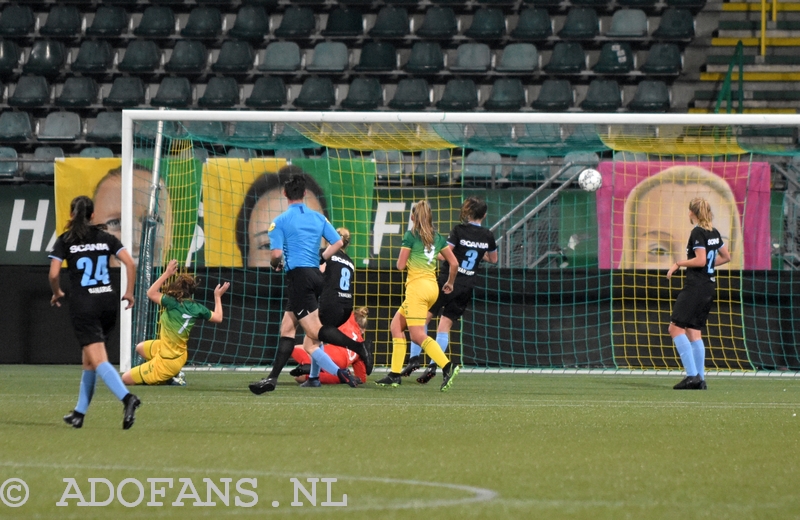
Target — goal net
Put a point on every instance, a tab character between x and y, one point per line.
580	282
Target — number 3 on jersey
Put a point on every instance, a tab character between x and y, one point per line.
469	262
100	274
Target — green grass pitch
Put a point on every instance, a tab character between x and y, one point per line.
494	447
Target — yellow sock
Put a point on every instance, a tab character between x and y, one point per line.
399	346
434	351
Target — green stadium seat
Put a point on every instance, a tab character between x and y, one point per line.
581	160
329	57
389	167
281	57
266	4
10	56
158	21
206	130
8	163
47	58
17	20
531	165
472	57
344	23
96	152
533	24
694	6
584	137
581	23
663	58
15	126
650	96
316	94
434	168
508	94
62	21
377	57
518	58
426	58
107	128
220	92
31	91
540	134
235	57
364	94
459	94
488	23
141	56
94	56
252	23
297	23
567	58
109	21
615	58
252	131
173	93
391	22
290	153
60	126
641	4
556	95
268	92
411	94
78	91
483	168
188	57
439	23
126	91
241	153
203	23
676	24
487	136
604	95
44	168
628	23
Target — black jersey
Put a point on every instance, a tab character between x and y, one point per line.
469	242
711	241
87	262
339	277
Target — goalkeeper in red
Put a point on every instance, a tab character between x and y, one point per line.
166	355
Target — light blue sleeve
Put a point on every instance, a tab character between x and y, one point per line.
276	236
329	232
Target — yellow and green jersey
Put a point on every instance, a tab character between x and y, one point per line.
177	319
422	260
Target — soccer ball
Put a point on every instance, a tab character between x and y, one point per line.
590	180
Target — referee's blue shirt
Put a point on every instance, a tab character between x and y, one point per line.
297	231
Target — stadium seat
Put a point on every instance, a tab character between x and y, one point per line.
158	21
508	94
567	58
531	165
344	23
533	24
425	58
472	57
389	167
252	23
266	4
220	92
377	57
290	153
62	21
604	95
252	131
488	23
141	56
452	132
439	23
556	95
8	163
204	23
329	57
676	24
581	23
96	152
126	91
540	134
411	94
316	94
268	92
10	56
281	57
297	23
580	160
364	94
78	91
31	91
206	130
15	126
109	21
391	22
650	96
641	4
434	168
483	168
47	58
241	153
518	58
60	126
615	58
486	136
663	58
44	167
628	23
188	57
94	56
235	56
173	93
694	6
107	128
584	136
17	20
459	94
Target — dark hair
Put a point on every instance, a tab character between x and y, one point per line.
295	187
182	288
80	211
264	184
473	209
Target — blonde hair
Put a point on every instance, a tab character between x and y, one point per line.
702	210
361	314
423	222
345	234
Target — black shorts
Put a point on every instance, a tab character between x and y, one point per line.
334	311
93	318
303	288
693	305
454	304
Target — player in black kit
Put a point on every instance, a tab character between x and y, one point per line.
471	244
705	251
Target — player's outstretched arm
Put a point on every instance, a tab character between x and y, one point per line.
154	292
216	316
130	270
447	288
55	282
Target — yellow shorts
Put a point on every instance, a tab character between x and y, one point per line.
156	370
420	296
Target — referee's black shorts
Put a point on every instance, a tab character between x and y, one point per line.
453	305
693	305
303	288
93	317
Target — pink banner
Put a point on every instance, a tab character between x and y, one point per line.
643	211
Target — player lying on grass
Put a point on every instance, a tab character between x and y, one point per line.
308	372
166	355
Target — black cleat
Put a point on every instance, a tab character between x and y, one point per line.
131	404
413	364
426	376
689	383
265	385
449	372
300	370
74	419
391	379
702	385
369	360
311	382
346	377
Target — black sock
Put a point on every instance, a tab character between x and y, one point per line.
332	335
282	356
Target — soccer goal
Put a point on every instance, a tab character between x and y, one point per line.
580	282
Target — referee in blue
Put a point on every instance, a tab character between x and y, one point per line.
294	237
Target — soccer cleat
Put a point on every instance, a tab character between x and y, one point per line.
426	376
413	364
689	383
702	385
300	370
346	377
179	380
74	419
311	382
391	379
449	372
369	360
265	385
131	403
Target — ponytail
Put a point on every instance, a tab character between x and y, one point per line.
702	210
81	210
423	222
